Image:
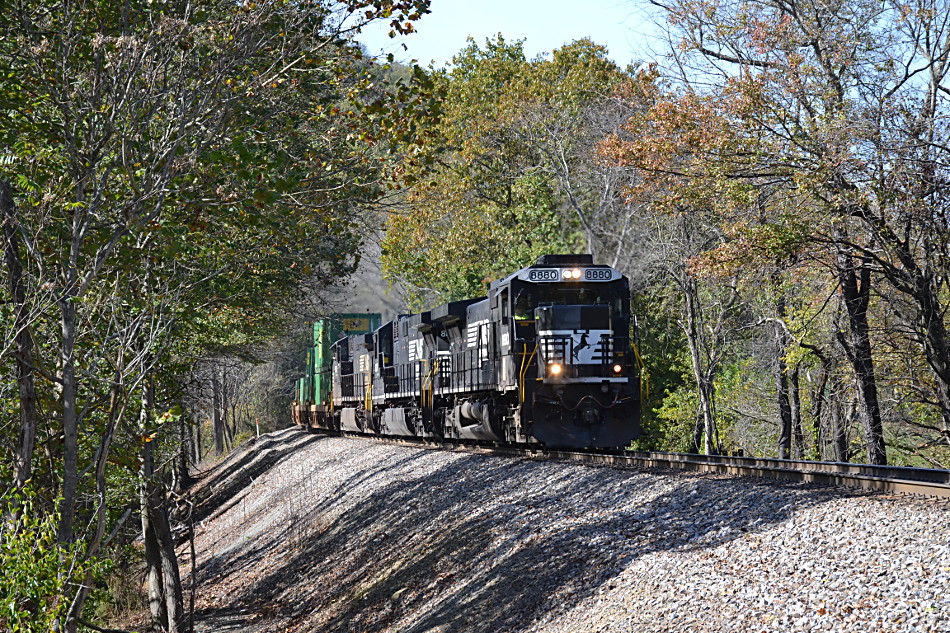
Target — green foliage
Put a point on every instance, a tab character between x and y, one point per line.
36	572
675	419
669	422
117	593
662	348
669	416
471	245
496	196
181	171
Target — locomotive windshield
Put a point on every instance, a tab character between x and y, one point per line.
573	317
530	296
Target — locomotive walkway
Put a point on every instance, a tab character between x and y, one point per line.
319	533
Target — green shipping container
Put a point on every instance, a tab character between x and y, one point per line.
326	332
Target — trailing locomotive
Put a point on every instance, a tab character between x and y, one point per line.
545	358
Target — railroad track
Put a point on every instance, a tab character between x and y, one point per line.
894	479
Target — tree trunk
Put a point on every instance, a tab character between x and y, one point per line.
228	442
70	415
698	431
784	408
234	422
23	463
781	376
703	374
164	582
153	561
856	292
818	398
116	410
229	406
174	600
196	451
706	398
68	302
227	411
840	423
217	422
936	340
183	477
796	409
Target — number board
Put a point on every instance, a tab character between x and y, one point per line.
544	274
598	274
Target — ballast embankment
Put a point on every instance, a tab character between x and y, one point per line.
318	533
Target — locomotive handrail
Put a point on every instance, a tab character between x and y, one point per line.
644	374
524	370
555	348
606	348
427	392
422	387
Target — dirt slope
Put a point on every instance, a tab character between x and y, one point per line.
313	533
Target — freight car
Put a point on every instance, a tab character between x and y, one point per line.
311	408
545	358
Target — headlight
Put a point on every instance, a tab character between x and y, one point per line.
576	274
618	368
566	273
554	369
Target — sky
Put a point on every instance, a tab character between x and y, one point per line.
620	25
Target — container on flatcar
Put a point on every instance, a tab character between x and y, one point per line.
312	399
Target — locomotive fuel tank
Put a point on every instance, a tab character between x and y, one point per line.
349	420
474	420
396	422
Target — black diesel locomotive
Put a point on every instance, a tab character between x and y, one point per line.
545	358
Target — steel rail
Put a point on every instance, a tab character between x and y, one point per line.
893	479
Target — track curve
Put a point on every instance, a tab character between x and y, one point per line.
894	479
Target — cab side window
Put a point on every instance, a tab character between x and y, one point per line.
523	303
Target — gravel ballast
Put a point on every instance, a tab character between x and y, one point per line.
317	533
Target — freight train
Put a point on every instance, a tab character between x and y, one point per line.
546	358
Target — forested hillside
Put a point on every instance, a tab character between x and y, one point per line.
179	184
184	187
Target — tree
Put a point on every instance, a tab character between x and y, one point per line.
706	313
22	337
515	172
175	168
839	107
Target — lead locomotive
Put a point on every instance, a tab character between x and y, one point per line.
545	358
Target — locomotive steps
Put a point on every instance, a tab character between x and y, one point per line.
316	533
